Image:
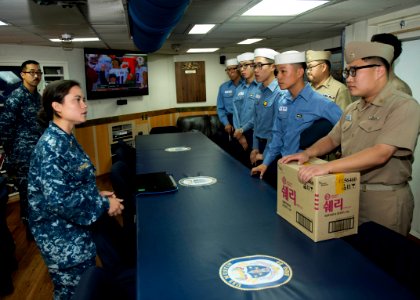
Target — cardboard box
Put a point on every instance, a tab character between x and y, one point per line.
325	207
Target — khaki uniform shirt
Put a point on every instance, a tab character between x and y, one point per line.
399	84
393	118
335	91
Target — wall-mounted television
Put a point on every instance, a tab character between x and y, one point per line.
115	73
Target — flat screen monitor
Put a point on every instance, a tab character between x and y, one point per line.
115	73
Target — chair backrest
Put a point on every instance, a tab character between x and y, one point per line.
164	129
123	182
123	151
195	123
313	133
95	283
122	179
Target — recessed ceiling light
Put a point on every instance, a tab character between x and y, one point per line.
282	8
3	23
202	50
95	39
249	41
201	28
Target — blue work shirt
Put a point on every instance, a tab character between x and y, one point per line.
294	116
265	112
63	199
224	101
243	104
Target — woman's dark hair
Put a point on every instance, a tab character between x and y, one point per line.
53	92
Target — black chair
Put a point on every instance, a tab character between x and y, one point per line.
391	251
124	152
123	183
195	123
164	129
98	283
8	262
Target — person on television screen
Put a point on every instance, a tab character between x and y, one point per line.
141	73
112	80
130	77
118	72
91	73
102	67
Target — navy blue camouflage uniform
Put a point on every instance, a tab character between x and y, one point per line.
63	202
20	132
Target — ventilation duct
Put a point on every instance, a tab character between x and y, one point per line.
153	20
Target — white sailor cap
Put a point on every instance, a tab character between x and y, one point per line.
231	62
265	52
289	57
245	56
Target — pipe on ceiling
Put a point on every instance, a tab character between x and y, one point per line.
153	20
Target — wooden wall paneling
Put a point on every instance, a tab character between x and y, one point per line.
161	120
190	81
142	126
86	138
103	149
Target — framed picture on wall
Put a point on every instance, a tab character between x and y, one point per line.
9	80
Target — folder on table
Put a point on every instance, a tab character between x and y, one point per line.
155	183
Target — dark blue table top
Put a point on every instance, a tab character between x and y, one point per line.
185	237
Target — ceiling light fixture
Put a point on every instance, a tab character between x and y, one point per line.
66	41
3	23
202	50
77	40
249	41
282	8
201	28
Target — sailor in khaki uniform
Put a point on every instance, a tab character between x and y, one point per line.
390	39
318	71
378	135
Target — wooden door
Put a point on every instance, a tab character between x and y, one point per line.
190	81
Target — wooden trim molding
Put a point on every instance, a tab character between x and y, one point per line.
144	115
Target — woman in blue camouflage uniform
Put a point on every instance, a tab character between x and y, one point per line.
63	197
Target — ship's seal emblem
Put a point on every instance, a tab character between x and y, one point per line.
197	181
255	272
178	149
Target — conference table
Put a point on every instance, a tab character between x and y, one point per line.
188	240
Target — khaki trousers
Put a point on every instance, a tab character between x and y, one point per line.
392	209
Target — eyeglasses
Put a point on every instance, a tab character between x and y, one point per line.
244	66
352	70
259	66
230	69
39	73
311	67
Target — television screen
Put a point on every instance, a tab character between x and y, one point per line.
115	73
